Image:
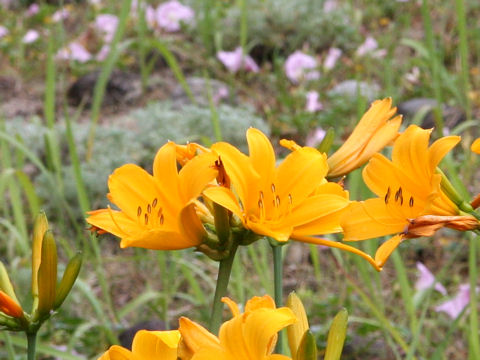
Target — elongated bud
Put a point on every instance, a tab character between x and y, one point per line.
47	275
327	141
68	279
453	194
307	349
297	330
5	283
336	336
9	306
39	229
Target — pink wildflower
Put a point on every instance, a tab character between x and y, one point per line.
150	17
60	15
455	306
313	105
103	53
30	37
32	10
170	14
221	94
369	47
426	280
299	65
3	31
332	57
107	25
315	137
413	76
236	60
329	6
74	51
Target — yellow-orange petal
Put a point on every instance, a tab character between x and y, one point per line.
196	174
232	305
440	148
300	173
241	172
130	187
374	131
165	169
117	353
386	249
279	232
369	219
225	198
154	345
261	155
316	207
258	302
475	147
194	338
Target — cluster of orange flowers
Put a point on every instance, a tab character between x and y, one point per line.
221	196
249	335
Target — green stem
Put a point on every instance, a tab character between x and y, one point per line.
278	287
224	270
31	345
474	347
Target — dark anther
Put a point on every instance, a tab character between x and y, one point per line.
139	211
398	194
146	219
149	209
387	195
410	202
161	219
154	202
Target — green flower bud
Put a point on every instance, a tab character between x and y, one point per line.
5	283
47	275
336	336
39	229
308	348
68	279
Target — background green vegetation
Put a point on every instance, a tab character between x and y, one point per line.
59	159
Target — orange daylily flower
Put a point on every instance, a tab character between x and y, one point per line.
282	202
147	345
250	335
160	211
375	130
9	306
410	199
475	147
292	200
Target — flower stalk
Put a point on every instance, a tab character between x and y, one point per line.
224	271
278	284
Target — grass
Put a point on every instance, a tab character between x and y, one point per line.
118	288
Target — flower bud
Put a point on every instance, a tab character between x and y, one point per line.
39	228
327	141
47	275
336	336
297	330
5	284
308	348
9	306
68	279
